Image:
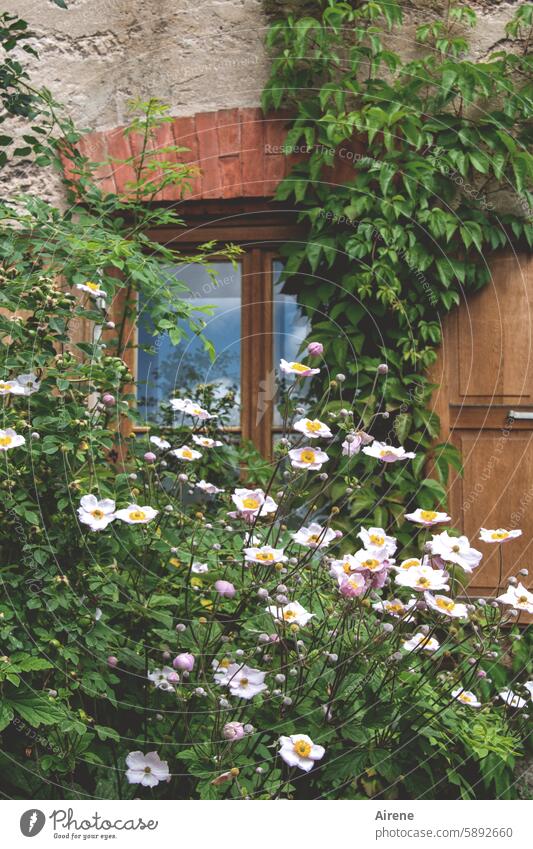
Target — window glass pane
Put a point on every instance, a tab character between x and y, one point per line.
177	369
291	327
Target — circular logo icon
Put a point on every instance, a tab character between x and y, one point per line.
32	822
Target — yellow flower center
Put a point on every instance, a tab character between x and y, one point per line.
376	539
308	456
499	535
371	564
243	682
299	367
313	538
445	605
250	503
313	426
264	555
428	515
94	287
408	564
522	599
456	549
225	663
302	748
175	562
98	514
423	582
288	615
186	453
6	440
196	410
137	515
346	568
395	607
4	386
465	698
384	452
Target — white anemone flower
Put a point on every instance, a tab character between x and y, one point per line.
499	535
529	687
30	383
299	369
512	699
410	563
518	597
388	453
299	750
313	428
206	441
421	642
97	514
199	568
224	669
135	515
253	502
466	697
422	578
11	387
159	677
247	682
209	488
162	444
9	439
447	606
455	550
345	566
427	517
147	770
314	536
396	607
373	561
291	614
186	453
265	554
190	408
376	540
94	289
308	458
352	446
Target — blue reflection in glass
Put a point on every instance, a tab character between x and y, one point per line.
168	369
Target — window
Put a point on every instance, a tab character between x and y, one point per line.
255	324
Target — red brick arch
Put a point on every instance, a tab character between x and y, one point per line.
237	151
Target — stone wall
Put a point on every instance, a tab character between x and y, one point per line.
196	55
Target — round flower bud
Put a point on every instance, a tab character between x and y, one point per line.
225	589
280	677
199	691
133	476
523	572
165	655
262	593
383	368
35	435
340	377
173	678
233	731
315	349
287	700
110	325
112	661
180	627
109	400
387	627
150	457
184	661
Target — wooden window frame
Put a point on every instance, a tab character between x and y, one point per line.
259	227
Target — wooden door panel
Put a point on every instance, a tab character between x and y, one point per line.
485	370
493	338
495	491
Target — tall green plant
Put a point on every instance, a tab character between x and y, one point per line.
409	230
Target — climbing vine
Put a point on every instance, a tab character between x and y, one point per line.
426	146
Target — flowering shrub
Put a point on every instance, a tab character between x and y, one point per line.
203	640
172	624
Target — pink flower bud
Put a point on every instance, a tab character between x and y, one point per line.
110	325
233	731
109	400
184	661
150	457
315	349
383	368
112	661
173	678
225	589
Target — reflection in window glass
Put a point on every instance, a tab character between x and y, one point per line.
170	370
290	329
